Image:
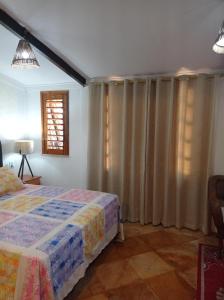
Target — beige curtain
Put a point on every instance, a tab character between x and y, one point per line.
150	143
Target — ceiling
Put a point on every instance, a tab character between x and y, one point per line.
124	37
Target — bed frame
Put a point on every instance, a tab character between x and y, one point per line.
1	157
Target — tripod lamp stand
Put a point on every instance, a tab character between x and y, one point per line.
24	147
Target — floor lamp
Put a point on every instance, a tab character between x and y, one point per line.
24	147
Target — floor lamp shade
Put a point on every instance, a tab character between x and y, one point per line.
24	147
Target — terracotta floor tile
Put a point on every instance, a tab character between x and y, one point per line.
181	257
97	297
162	239
136	291
170	287
136	229
87	286
149	264
190	276
196	234
132	246
81	291
210	240
109	254
116	274
94	284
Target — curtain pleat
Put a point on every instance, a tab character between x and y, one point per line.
96	147
154	149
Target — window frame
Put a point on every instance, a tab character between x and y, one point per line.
51	95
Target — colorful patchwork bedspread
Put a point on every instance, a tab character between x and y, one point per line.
49	236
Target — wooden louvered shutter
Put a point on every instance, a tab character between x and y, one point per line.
55	122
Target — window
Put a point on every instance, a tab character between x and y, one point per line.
55	122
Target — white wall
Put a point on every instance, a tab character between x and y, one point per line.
13	123
70	171
20	117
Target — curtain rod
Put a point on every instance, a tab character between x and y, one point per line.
164	76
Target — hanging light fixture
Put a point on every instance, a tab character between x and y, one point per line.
24	57
218	47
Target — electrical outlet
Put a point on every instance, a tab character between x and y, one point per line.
10	165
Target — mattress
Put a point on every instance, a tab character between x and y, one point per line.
49	236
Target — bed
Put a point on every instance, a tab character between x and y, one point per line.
49	236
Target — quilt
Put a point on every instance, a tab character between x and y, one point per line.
49	236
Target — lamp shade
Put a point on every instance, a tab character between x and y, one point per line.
218	46
24	57
24	146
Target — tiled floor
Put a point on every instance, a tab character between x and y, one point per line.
152	263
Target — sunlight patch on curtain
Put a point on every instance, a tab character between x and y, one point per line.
185	131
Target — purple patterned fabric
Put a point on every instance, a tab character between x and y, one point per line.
27	188
26	231
79	195
6	216
6	197
65	250
57	209
110	204
49	191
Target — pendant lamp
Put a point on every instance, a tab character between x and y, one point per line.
24	57
218	47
